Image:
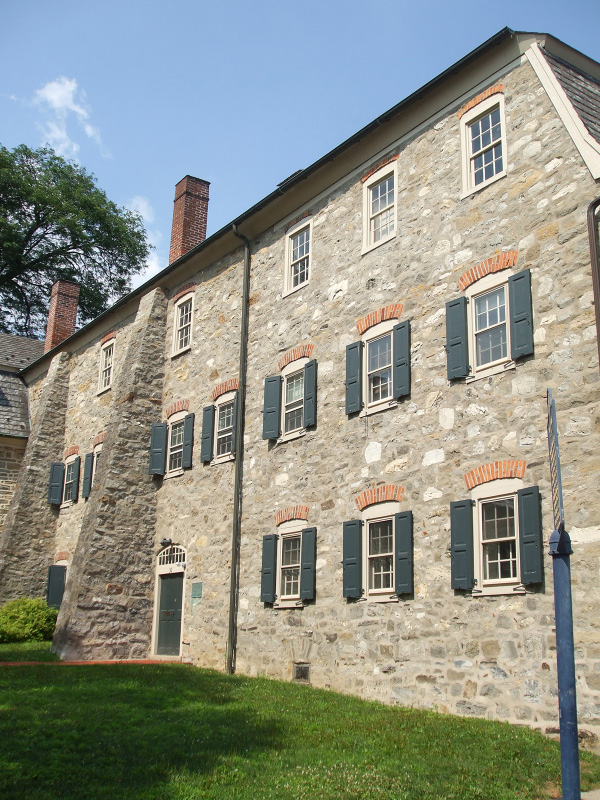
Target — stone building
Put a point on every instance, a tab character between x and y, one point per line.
314	446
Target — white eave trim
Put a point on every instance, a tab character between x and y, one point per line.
588	147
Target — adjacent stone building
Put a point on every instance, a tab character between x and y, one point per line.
314	446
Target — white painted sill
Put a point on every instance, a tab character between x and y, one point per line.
106	389
473	190
495	370
495	591
289	604
379	598
222	459
374	245
175	474
180	352
289	437
288	292
376	409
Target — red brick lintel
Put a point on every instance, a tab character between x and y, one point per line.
189	287
232	385
298	219
494	264
293	512
174	408
378	166
494	470
302	351
498	88
389	312
62	555
71	451
108	336
380	494
99	439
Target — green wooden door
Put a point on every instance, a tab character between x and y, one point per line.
169	614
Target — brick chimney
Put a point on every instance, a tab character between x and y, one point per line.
189	216
62	315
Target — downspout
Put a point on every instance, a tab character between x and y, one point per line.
594	237
239	462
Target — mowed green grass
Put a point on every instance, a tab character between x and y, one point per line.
173	732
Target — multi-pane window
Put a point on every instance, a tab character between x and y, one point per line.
294	402
299	257
381	210
224	429
69	481
175	455
183	325
380	557
106	366
379	369
290	567
95	461
485	139
490	324
499	540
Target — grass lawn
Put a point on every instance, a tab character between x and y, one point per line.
173	732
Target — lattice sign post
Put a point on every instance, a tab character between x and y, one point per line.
560	550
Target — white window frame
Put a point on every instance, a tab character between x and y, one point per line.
483	286
178	327
288	530
289	371
95	455
467	120
374	180
175	419
223	400
495	490
379	512
68	462
106	372
296	230
384	328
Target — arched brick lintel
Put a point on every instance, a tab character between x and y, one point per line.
231	385
302	351
494	470
375	317
292	512
379	494
498	88
494	264
174	408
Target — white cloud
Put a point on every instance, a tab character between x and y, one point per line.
64	101
157	260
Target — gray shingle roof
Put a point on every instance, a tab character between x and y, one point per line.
14	407
16	352
582	90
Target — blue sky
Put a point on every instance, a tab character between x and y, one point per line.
143	92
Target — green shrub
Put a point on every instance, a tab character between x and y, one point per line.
26	620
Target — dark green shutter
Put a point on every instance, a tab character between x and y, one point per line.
308	559
208	433
354	401
269	569
234	431
310	394
457	338
521	315
530	535
401	349
55	484
352	563
158	448
272	408
461	544
404	553
188	441
56	585
75	484
88	465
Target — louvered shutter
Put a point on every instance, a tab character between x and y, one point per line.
88	465
457	337
354	377
308	558
530	535
269	569
272	408
158	448
310	394
404	553
188	441
461	544
234	431
401	349
56	585
75	484
208	432
55	484
521	314
352	558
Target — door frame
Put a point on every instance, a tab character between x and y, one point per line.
177	559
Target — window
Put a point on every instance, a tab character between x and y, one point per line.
298	257
379	207
484	144
384	377
182	331
175	446
218	429
290	400
224	429
106	365
90	467
96	453
171	445
289	565
378	553
497	538
491	326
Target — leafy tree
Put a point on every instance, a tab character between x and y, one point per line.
56	223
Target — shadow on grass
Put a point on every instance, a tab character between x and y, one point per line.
27	651
121	731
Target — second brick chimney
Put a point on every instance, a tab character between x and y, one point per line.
190	213
62	315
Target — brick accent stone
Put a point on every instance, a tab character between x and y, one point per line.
175	408
494	264
71	451
379	494
232	385
186	289
62	555
293	512
190	214
62	314
378	166
498	88
507	468
297	219
302	351
99	438
107	337
389	312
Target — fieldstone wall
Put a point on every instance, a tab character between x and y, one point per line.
11	455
